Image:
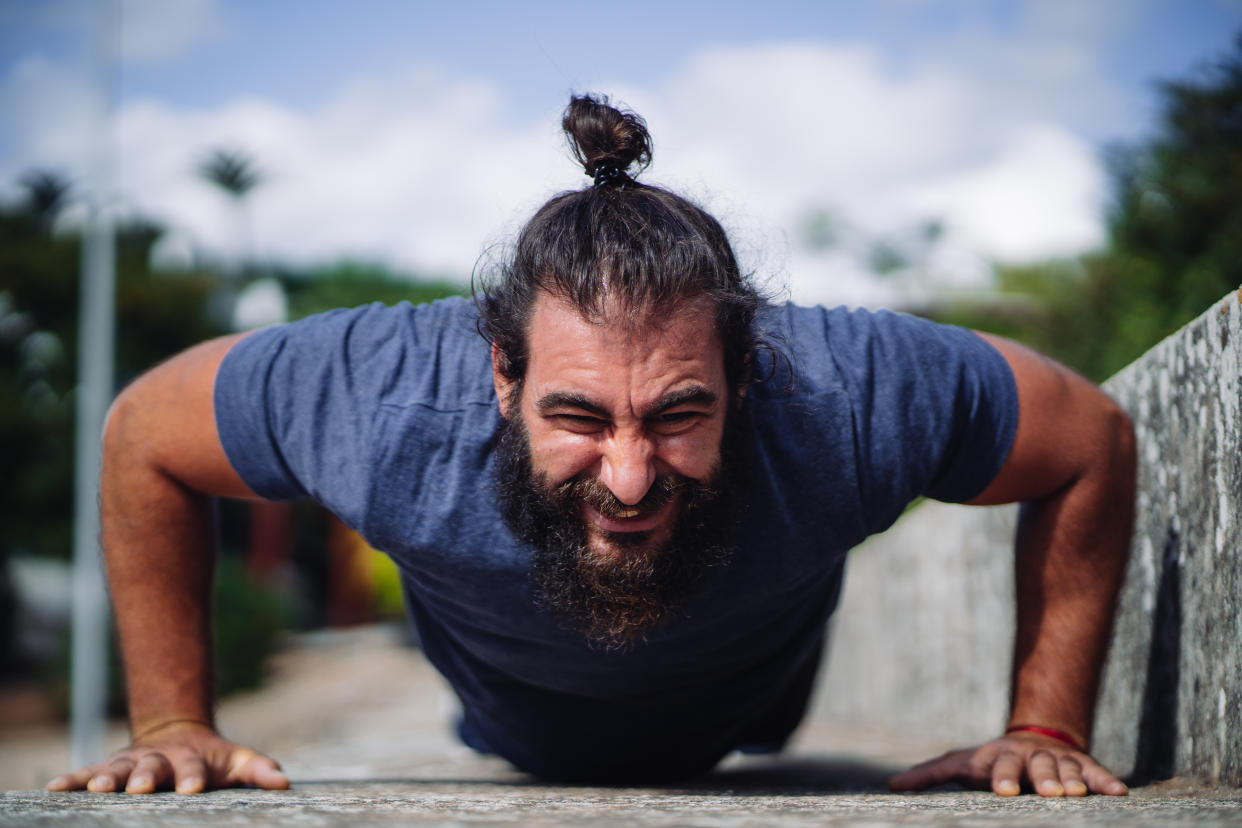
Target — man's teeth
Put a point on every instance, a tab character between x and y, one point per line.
627	513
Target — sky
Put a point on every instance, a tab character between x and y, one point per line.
864	153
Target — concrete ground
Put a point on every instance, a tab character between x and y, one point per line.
359	724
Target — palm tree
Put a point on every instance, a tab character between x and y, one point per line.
230	170
47	192
234	172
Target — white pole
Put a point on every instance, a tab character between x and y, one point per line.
96	324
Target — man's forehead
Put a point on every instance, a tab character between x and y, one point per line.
614	362
687	322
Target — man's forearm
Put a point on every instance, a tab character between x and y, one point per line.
162	460
159	549
1071	553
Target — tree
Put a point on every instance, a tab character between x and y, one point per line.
234	172
1176	226
1175	237
47	192
231	171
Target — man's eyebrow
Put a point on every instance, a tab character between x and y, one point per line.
691	395
568	399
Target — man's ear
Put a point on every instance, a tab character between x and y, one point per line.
748	366
504	386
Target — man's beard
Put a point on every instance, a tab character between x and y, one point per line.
618	595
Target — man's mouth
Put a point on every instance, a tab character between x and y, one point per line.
628	519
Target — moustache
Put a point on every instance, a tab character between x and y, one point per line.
594	493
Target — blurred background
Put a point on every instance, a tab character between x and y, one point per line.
1066	173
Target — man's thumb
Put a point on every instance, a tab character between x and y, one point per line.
263	772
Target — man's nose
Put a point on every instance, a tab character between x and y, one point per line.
628	468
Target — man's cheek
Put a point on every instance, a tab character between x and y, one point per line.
560	458
694	456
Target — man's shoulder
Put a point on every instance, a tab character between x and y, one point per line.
851	338
408	354
841	321
449	322
433	354
812	348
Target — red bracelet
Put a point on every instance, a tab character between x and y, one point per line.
1059	735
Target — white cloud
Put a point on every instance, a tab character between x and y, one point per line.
1039	198
782	129
419	168
415	170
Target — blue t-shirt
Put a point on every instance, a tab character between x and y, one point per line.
388	417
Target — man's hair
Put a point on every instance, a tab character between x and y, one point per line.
617	247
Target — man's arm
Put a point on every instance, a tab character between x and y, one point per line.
1073	463
162	460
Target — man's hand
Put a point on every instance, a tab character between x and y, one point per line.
187	757
1049	767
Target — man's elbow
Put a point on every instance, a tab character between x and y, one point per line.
123	427
1119	446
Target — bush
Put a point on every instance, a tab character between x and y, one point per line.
249	619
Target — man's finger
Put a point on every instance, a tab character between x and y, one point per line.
151	771
1070	770
105	781
1102	782
933	772
74	781
190	775
111	776
1006	772
263	772
1045	776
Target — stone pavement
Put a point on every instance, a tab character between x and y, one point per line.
358	723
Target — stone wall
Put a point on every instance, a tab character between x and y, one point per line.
922	640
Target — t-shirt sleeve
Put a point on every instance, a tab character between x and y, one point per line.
935	408
295	404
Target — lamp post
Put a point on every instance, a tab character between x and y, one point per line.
89	666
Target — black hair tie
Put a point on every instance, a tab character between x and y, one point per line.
606	174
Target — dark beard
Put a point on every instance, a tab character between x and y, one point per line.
613	598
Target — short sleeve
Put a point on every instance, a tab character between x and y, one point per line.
935	408
294	404
297	405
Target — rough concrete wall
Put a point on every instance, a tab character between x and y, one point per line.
1172	698
922	639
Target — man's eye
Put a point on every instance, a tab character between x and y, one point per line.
674	420
579	422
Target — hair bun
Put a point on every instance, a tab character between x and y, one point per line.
604	138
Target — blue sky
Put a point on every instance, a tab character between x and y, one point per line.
416	133
538	51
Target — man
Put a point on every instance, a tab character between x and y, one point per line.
622	526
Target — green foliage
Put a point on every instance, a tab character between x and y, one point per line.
350	284
1175	243
47	191
158	315
886	257
1059	308
39	288
249	619
1177	224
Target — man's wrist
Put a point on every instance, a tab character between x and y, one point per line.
153	726
1050	732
